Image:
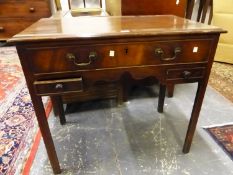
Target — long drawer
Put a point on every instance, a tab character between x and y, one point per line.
34	9
48	60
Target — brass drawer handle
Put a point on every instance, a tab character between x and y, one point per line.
2	29
71	57
32	9
186	75
59	86
159	52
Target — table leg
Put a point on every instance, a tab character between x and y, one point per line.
119	93
55	110
162	92
45	131
58	104
170	90
194	116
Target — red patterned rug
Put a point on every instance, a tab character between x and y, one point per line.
223	135
18	127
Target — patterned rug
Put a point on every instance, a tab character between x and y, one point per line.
221	79
223	135
17	119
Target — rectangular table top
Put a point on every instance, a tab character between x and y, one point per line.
110	27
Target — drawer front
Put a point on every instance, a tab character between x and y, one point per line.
10	27
185	74
35	9
117	55
58	87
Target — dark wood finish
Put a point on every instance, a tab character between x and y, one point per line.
101	90
185	74
202	11
24	9
45	131
152	7
12	26
132	58
97	91
58	87
170	90
204	5
17	15
58	105
162	92
189	10
44	46
55	106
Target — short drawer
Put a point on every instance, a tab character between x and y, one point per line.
185	74
35	9
61	59
58	87
12	26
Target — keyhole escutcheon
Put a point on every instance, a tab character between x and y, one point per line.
126	51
